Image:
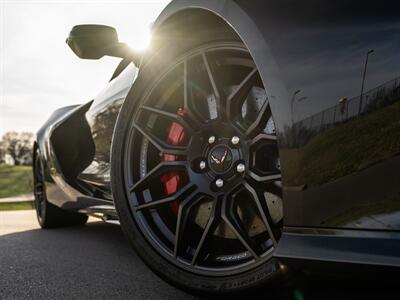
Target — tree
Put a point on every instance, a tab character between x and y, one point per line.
18	146
2	152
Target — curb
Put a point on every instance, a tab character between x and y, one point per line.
16	199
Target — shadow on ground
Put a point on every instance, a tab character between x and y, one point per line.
95	261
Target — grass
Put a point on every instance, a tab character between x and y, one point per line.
345	149
15	180
27	205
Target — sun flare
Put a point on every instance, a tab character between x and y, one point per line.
141	40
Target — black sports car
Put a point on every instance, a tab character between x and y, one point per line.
250	136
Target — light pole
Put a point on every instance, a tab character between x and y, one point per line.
363	81
294	97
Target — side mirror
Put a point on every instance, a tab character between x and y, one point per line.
95	41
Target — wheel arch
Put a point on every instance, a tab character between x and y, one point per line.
182	20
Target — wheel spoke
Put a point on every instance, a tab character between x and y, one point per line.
210	227
157	171
170	116
235	225
159	144
260	121
182	193
237	97
182	218
215	88
263	137
261	210
267	178
192	113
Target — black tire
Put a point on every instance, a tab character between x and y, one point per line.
49	215
249	279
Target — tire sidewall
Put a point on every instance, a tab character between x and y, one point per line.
42	216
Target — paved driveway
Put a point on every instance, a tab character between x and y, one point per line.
88	262
95	262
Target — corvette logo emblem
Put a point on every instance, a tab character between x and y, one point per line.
220	159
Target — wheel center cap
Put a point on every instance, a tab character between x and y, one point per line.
220	159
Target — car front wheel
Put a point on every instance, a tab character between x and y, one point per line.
196	171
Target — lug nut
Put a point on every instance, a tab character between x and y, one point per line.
235	140
211	140
219	183
240	168
202	165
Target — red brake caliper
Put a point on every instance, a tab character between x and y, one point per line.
174	180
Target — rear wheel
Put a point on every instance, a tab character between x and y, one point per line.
196	172
49	215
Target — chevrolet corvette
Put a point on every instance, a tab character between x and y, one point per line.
251	137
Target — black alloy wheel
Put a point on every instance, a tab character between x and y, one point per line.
196	171
217	220
49	215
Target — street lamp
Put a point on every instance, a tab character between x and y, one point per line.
294	97
363	80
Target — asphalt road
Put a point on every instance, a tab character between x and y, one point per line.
95	261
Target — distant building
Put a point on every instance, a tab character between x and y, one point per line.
8	159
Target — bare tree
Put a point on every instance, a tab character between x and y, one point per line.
18	146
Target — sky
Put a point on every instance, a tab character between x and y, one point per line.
38	71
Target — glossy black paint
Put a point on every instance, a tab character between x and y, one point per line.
101	118
346	246
89	187
335	102
338	157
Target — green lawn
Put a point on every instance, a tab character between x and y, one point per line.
27	205
345	149
15	180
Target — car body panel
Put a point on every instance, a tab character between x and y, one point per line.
101	118
58	191
347	248
86	188
313	55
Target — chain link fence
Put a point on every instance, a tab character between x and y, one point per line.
345	111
